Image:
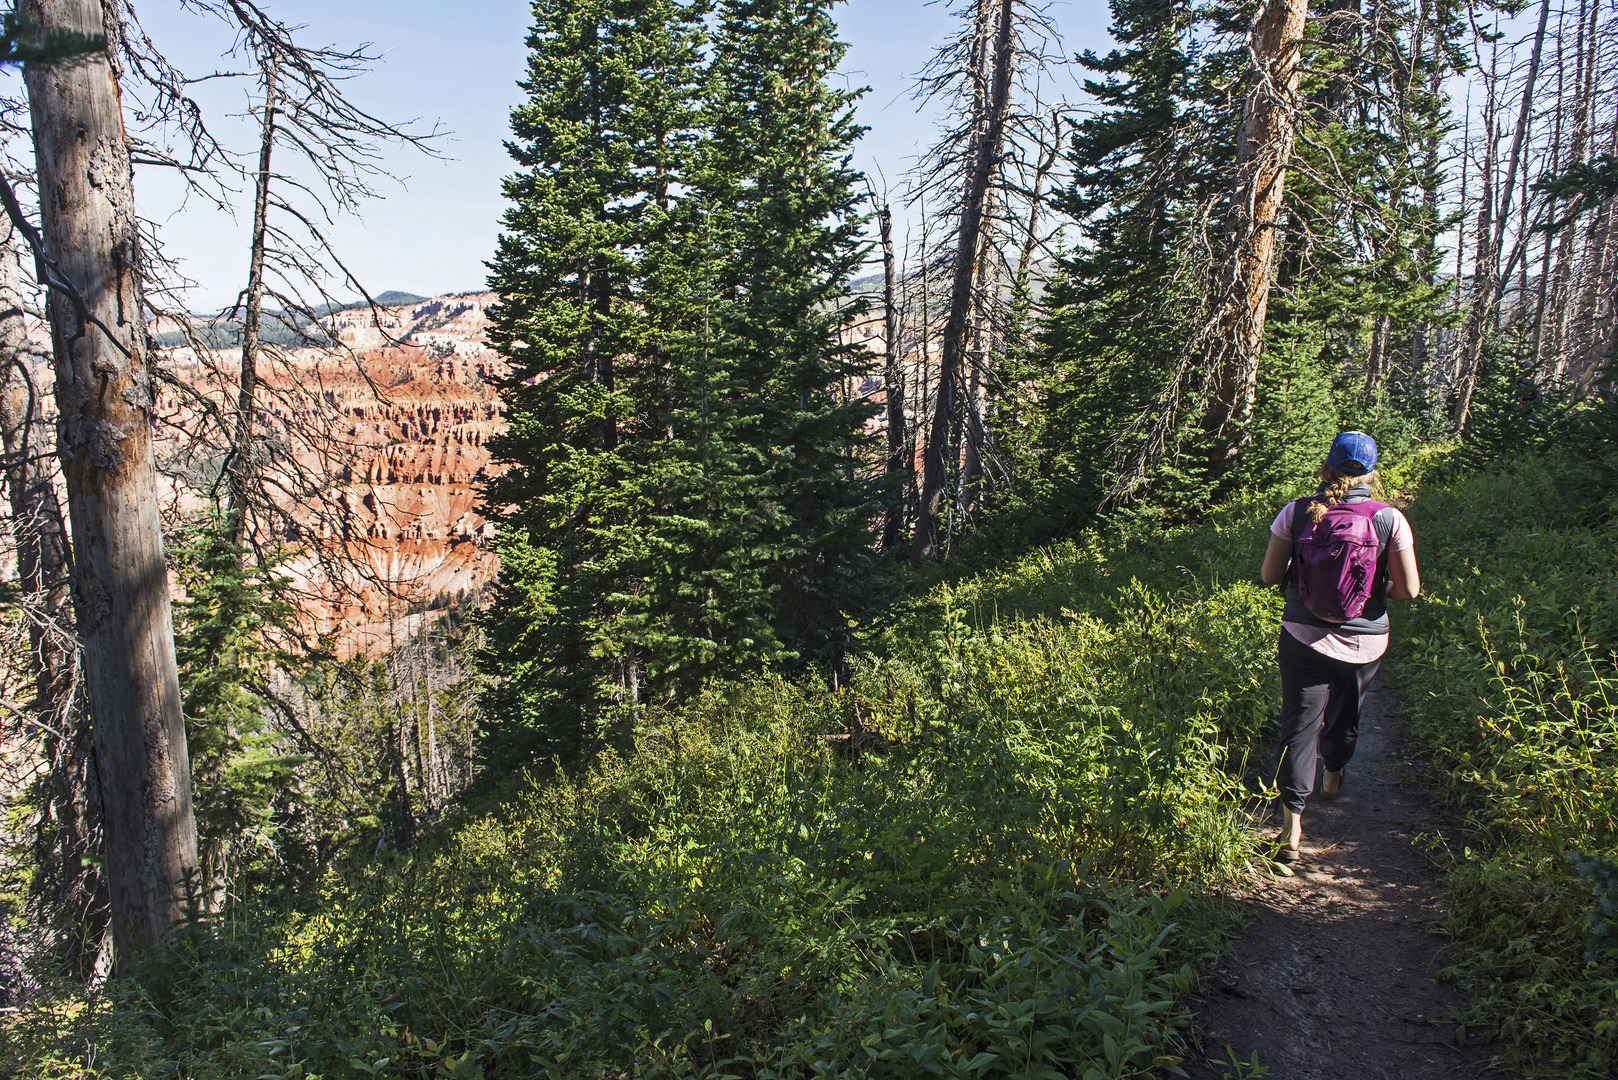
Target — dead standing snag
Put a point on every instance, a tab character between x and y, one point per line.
104	400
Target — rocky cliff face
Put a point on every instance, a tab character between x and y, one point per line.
376	451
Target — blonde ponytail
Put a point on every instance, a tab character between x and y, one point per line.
1335	484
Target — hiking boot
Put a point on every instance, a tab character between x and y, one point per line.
1287	843
1331	784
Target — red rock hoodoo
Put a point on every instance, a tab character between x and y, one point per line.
395	432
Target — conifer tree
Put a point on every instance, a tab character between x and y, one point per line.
1230	345
1356	237
1360	261
224	636
599	144
785	204
1356	279
680	501
1149	172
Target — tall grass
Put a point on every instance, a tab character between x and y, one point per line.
1511	664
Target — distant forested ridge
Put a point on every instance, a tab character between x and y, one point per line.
287	330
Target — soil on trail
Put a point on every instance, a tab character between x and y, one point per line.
1334	975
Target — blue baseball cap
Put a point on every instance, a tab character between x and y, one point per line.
1353	452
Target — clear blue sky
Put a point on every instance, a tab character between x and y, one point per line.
457	64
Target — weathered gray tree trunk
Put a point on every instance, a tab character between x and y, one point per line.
1597	310
1587	63
898	470
243	474
1542	290
70	893
1488	277
1263	152
981	362
104	402
1022	282
923	400
1376	359
1602	358
990	143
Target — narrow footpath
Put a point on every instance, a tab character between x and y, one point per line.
1334	975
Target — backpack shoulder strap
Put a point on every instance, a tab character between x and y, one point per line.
1382	522
1300	514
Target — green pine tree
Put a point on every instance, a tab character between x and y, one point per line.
1150	172
680	499
600	144
1357	280
227	634
1356	286
779	194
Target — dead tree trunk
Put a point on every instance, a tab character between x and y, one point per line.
1263	151
404	814
915	447
70	893
985	157
1604	356
1376	360
1562	283
981	352
1488	278
104	403
898	470
1597	310
1021	287
243	459
1542	288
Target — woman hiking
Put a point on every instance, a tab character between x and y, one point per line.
1341	553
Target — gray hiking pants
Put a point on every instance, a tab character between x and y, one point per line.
1320	715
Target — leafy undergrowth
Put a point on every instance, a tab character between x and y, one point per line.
1511	664
1009	877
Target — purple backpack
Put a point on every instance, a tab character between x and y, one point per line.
1334	561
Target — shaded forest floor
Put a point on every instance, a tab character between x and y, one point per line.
1335	974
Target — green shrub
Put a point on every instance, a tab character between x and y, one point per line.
1008	876
1510	667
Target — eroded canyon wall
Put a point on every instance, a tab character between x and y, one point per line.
372	455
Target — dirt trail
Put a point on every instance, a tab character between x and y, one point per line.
1334	974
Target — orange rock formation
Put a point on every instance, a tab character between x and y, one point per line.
388	439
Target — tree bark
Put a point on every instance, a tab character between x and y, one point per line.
404	814
1587	62
898	470
1542	285
243	454
985	159
914	446
1263	151
70	892
1488	280
981	356
1596	314
104	404
1021	285
1376	360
